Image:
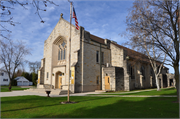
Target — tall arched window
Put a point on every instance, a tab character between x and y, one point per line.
131	71
62	51
143	72
151	71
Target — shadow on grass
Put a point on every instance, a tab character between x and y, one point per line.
29	108
89	107
42	101
123	108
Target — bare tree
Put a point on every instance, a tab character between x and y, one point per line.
160	23
34	66
12	56
139	41
7	6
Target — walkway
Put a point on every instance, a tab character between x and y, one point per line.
135	95
23	93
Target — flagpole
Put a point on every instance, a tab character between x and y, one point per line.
69	51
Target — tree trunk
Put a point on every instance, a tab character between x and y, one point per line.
157	83
176	69
9	86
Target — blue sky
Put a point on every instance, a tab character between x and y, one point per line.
105	19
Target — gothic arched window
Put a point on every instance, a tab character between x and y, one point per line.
143	72
131	71
62	51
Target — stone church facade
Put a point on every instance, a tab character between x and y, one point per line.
96	63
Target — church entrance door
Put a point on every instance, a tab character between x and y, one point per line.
107	82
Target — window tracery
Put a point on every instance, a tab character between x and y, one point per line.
62	51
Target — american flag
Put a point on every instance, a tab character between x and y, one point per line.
76	22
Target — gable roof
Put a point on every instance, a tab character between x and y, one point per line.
131	53
17	78
97	39
21	78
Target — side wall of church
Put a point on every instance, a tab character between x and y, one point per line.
118	60
138	81
92	68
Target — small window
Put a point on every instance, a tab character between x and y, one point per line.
97	56
64	53
2	74
97	80
5	79
108	79
47	74
59	55
102	57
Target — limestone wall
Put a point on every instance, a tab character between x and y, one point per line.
140	81
116	56
62	29
116	75
109	71
92	69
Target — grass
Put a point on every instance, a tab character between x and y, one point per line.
89	107
167	91
129	91
14	88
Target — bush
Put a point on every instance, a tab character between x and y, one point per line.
34	78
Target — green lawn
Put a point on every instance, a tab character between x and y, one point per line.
131	90
89	107
165	91
14	88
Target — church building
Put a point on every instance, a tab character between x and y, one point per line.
96	63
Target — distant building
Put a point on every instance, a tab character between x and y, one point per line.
22	81
30	83
96	63
4	78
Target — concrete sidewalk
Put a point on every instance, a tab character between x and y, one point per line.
23	93
135	95
19	93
